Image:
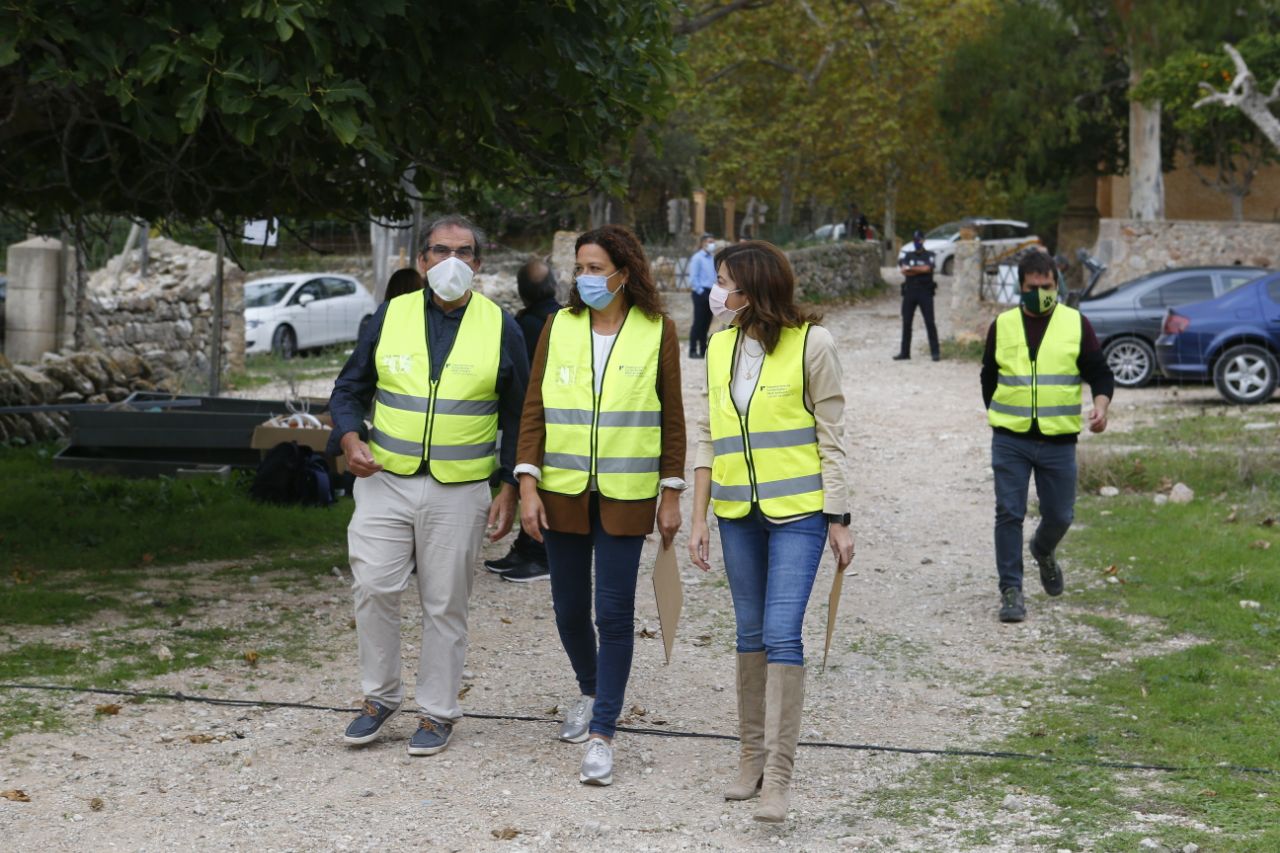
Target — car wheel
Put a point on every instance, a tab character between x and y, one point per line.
1132	361
364	324
949	266
1246	374
284	342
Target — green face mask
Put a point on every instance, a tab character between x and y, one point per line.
1039	300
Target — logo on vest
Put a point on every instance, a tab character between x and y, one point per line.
631	370
776	390
460	369
567	374
398	363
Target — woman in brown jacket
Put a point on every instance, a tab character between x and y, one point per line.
601	450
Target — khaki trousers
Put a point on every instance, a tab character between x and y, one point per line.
400	522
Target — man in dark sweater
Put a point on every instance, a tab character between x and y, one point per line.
1036	357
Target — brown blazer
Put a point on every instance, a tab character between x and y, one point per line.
571	513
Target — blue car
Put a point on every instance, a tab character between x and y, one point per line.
1234	339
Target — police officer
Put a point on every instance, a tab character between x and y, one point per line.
444	391
918	290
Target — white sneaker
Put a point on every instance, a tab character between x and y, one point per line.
597	764
576	722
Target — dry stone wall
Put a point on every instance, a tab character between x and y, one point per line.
1131	248
836	270
86	377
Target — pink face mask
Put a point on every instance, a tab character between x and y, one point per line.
722	312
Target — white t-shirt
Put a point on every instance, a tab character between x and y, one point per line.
601	346
746	373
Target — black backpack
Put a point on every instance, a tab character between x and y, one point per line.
292	474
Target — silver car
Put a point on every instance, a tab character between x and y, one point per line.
1128	318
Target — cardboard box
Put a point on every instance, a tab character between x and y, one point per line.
266	437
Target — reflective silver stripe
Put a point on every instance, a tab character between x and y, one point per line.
1057	411
567	461
1005	379
728	444
571	417
395	445
459	452
1057	379
405	402
791	486
631	419
1016	411
730	493
627	465
784	438
466	407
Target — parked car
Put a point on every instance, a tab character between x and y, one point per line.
942	240
1234	339
1130	316
826	233
286	314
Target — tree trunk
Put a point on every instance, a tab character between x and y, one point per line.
599	206
215	333
786	197
81	284
144	250
890	210
1146	178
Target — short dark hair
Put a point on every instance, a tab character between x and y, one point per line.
477	235
1035	262
532	292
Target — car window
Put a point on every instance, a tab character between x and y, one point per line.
314	287
1019	231
987	232
1273	290
264	294
1232	280
339	287
944	232
1192	288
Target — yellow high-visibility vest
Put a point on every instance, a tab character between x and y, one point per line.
616	436
1046	389
451	423
768	456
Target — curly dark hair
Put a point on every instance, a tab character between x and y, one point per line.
623	248
764	275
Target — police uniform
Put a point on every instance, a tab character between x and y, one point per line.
917	291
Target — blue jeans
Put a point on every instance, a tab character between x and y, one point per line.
1013	462
602	673
771	568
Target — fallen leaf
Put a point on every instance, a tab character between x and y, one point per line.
201	738
659	722
251	658
108	710
1231	518
506	833
147	558
552	711
351	623
637	711
702	639
1208	793
1260	544
504	620
646	633
96	804
1111	569
466	688
75	756
16	794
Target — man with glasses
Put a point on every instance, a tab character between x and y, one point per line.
447	368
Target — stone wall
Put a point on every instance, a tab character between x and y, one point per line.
166	318
836	270
1131	248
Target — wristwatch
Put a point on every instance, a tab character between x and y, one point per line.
833	518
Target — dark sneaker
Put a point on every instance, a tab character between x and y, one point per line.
430	738
504	564
365	727
1012	609
936	357
526	572
902	357
1050	572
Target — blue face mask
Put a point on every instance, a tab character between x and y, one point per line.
594	290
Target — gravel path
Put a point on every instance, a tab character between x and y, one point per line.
916	642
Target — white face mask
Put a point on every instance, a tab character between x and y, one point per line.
711	248
722	312
450	279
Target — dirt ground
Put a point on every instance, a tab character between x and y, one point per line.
917	639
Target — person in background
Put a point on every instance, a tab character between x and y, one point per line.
772	465
403	281
1036	356
602	444
536	284
448	369
702	275
917	291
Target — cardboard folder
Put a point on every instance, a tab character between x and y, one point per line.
833	606
669	593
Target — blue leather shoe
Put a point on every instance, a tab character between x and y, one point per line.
365	727
430	738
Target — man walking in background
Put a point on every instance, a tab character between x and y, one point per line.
702	274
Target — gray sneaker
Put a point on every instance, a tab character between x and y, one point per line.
574	727
597	764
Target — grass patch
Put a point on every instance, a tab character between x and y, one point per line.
265	368
969	350
1204	694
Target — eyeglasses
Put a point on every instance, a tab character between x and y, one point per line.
462	253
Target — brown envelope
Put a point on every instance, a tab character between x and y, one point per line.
669	592
833	606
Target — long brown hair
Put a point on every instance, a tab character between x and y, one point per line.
623	248
764	275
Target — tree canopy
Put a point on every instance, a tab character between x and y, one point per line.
306	107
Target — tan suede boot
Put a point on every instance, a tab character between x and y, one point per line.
783	700
751	677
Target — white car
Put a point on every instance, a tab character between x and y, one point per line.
941	241
288	313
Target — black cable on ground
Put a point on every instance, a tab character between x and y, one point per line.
674	733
